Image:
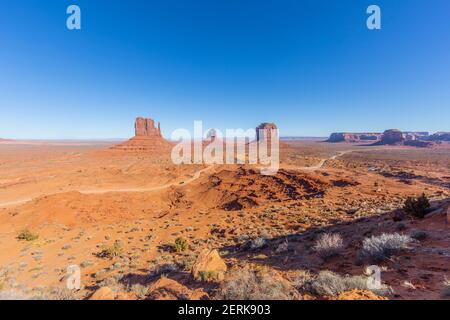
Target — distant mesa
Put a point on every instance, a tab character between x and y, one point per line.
354	137
148	138
440	136
421	139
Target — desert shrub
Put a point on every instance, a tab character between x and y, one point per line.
207	276
329	245
282	247
419	235
300	278
162	268
181	244
140	290
110	251
417	207
186	262
257	243
249	284
328	283
379	248
27	235
446	292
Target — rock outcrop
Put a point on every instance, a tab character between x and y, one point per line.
169	289
209	266
354	137
104	293
148	138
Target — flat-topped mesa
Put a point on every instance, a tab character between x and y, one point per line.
440	136
354	137
148	138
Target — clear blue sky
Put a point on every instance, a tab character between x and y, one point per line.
311	66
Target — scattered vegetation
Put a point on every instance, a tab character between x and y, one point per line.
379	248
187	262
417	207
110	251
140	290
181	244
250	284
207	276
328	283
257	243
61	294
27	235
329	245
12	295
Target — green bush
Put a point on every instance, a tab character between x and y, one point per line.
181	244
27	235
417	207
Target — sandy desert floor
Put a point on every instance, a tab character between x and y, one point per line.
82	198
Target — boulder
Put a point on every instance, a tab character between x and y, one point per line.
168	289
209	266
104	293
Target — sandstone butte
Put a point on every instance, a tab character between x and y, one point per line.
147	138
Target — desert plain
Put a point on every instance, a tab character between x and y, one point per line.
140	227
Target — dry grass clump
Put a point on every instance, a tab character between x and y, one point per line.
110	251
251	284
328	283
329	245
27	235
379	248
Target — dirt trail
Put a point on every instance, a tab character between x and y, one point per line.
101	191
162	187
323	161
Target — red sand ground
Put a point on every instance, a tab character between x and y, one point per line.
78	197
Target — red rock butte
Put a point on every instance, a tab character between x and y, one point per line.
263	131
148	138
